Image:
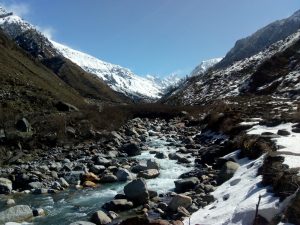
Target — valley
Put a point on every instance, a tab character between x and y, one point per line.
87	142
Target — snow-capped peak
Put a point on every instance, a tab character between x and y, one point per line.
204	66
118	78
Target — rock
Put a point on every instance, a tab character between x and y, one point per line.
102	161
70	131
89	184
138	220
180	201
138	167
63	182
283	132
65	107
137	191
82	223
174	156
118	205
152	193
10	202
152	164
5	186
35	185
131	149
149	174
112	215
295	130
123	175
97	169
16	213
23	125
160	155
89	177
38	212
227	171
100	218
108	178
186	184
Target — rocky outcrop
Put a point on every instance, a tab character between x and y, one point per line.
16	213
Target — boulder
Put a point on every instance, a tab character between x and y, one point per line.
100	218
180	201
89	177
10	202
131	149
186	184
82	223
227	171
137	191
138	167
102	161
63	182
161	155
118	205
16	214
108	178
35	185
283	132
89	184
149	174
152	164
5	186
123	175
97	169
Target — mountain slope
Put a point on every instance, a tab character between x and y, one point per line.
120	79
35	43
27	86
274	71
261	39
204	66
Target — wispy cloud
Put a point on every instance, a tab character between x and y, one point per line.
20	9
47	31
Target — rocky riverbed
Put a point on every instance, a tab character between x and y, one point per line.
151	171
142	169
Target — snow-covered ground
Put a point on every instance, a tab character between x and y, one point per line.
236	199
289	145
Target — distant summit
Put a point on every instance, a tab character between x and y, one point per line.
204	66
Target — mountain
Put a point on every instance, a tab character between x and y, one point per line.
120	79
261	39
274	72
39	47
204	66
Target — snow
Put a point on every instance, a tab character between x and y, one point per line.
236	199
204	66
289	145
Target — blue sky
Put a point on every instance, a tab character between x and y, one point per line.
157	37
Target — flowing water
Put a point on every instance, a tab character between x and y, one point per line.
73	205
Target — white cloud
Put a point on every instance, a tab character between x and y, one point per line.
20	9
47	31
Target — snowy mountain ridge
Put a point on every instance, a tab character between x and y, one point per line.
118	78
204	66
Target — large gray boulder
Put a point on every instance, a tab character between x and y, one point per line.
227	171
16	213
131	149
5	186
100	218
137	191
186	184
180	201
123	175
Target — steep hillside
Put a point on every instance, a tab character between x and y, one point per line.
35	43
261	39
27	86
274	71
